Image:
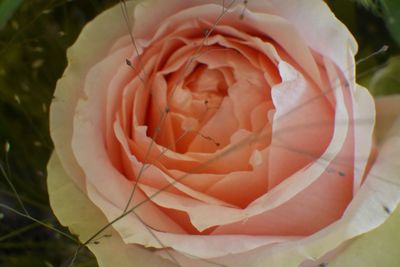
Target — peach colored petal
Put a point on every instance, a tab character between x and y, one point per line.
380	192
159	179
264	23
189	162
110	189
205	216
211	135
318	28
61	186
364	213
233	157
260	53
196	245
122	77
168	158
245	96
317	206
241	188
258	118
159	125
88	144
243	64
301	115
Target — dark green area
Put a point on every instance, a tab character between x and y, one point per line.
369	28
391	11
7	9
32	57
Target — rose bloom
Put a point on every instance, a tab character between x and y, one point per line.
220	134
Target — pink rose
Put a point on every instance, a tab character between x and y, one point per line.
239	131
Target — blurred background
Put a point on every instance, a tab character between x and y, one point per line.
34	36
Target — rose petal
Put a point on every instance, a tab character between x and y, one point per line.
84	219
105	183
205	216
379	195
212	136
366	202
364	114
318	28
88	50
302	114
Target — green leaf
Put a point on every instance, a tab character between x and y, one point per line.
392	17
386	81
7	9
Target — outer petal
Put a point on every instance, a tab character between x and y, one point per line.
380	247
377	198
84	218
317	25
90	48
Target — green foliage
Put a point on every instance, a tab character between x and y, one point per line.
370	31
389	11
392	17
7	9
386	81
373	5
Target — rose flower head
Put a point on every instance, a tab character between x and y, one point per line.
219	133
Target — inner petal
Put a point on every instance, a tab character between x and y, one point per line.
205	80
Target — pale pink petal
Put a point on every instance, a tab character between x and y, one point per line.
88	144
302	126
363	124
379	195
84	219
205	216
241	188
159	178
211	136
110	186
258	115
86	52
245	96
317	206
318	28
271	26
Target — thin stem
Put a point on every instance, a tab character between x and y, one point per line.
39	222
13	189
